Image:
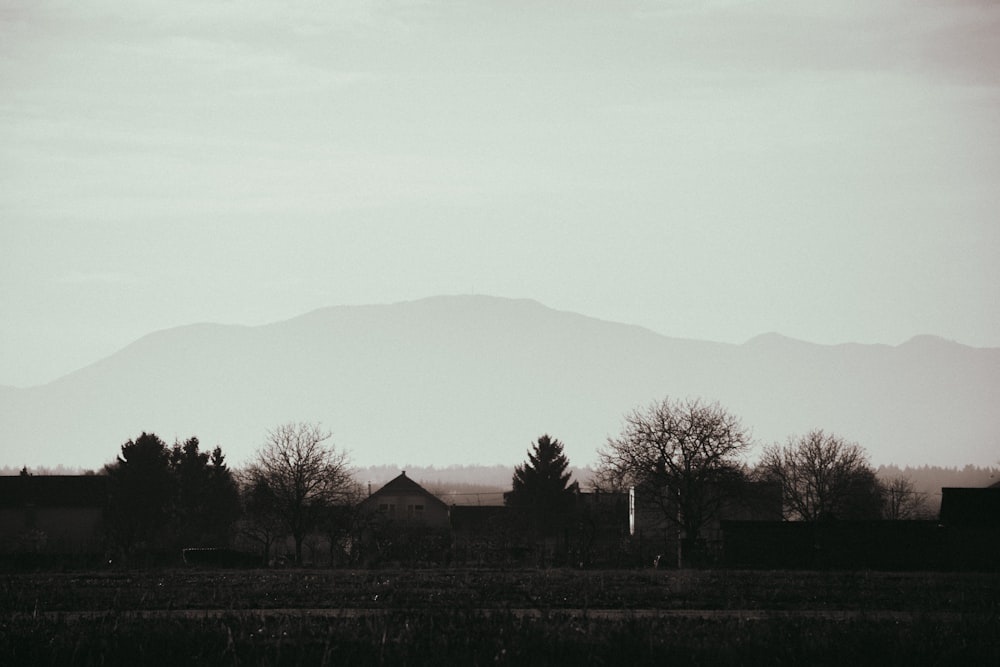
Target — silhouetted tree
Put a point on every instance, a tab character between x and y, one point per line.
822	476
902	500
206	504
140	489
300	477
542	490
680	456
177	497
261	519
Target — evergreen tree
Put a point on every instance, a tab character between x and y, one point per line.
164	498
141	488
541	486
206	502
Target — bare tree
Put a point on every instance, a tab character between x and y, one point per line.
680	454
823	476
300	476
261	522
903	501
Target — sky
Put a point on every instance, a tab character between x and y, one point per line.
707	169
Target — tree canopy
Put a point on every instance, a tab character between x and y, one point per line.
679	454
162	497
542	483
296	478
823	476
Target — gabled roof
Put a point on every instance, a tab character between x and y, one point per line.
403	485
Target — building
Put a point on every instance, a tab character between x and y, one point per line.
52	514
970	520
403	500
401	523
971	507
966	537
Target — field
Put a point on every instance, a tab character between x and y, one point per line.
516	617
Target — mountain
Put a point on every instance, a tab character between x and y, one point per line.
472	379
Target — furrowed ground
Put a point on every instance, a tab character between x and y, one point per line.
498	616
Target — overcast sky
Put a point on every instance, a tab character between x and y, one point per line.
707	169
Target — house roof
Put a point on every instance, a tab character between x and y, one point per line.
403	485
53	491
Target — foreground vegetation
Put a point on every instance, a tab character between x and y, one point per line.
498	617
462	638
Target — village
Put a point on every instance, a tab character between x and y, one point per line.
199	513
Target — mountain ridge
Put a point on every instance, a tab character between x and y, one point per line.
473	379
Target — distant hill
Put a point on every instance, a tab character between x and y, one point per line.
473	380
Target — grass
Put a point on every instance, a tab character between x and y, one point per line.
478	617
459	637
498	589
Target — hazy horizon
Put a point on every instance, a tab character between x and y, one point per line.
707	169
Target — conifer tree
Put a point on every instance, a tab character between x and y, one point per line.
542	485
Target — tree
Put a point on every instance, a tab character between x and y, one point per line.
823	476
299	477
262	522
206	504
680	455
164	497
541	485
903	501
140	488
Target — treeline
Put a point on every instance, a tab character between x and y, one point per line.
457	479
161	498
460	484
8	471
931	479
486	485
685	461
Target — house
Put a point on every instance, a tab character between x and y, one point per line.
401	523
971	507
55	514
967	537
403	500
590	531
970	519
